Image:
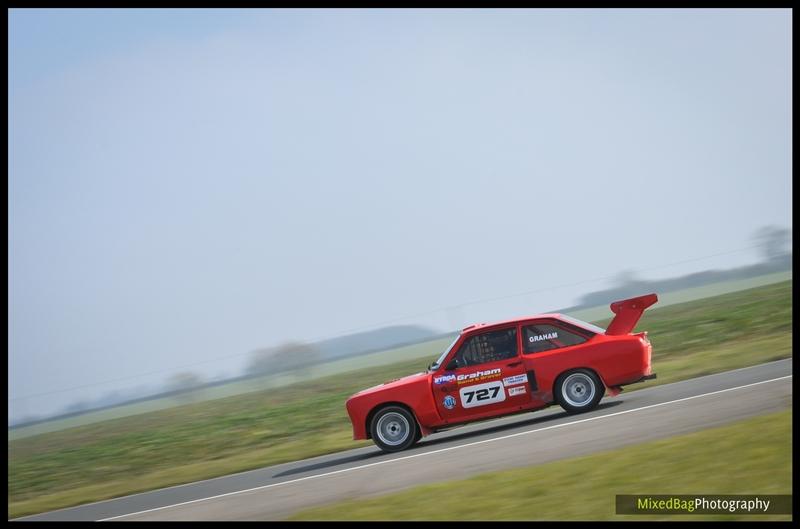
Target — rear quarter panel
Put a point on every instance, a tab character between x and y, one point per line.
616	359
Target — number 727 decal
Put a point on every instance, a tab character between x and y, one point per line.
482	394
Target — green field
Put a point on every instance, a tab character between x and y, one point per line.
218	437
752	456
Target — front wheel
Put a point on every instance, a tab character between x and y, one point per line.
579	390
394	428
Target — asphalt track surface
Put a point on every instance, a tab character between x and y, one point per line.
275	492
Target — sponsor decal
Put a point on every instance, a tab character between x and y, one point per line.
516	390
478	376
482	394
443	379
542	337
516	379
449	402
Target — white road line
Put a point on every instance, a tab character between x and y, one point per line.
445	449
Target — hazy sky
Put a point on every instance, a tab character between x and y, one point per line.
190	185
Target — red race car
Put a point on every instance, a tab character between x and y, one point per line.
508	367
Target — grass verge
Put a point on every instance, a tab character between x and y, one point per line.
752	456
213	438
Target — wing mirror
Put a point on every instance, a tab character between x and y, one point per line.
452	364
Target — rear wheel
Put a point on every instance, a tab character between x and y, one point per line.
579	390
394	428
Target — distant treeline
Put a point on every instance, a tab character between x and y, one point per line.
633	287
351	345
372	341
107	403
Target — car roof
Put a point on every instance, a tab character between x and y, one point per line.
521	319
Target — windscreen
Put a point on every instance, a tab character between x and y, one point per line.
441	358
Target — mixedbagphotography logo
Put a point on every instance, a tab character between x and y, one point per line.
703	504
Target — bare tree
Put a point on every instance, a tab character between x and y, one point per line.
183	383
291	357
773	241
626	278
77	407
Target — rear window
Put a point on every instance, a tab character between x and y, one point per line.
546	337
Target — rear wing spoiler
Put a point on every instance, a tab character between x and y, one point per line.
628	312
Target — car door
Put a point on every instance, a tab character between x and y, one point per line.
548	348
484	377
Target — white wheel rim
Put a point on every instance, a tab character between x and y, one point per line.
578	390
393	429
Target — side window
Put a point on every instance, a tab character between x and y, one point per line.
544	337
488	347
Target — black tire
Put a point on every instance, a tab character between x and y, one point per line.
394	428
579	390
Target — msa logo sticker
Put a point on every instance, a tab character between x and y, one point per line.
482	394
543	337
516	379
449	402
478	376
519	390
444	379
